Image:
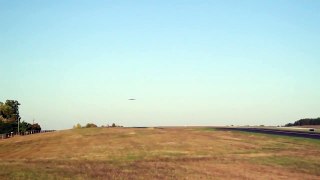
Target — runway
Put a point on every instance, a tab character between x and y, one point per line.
291	133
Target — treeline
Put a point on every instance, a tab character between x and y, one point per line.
91	125
8	127
303	122
10	117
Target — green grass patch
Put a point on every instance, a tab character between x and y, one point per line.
206	129
294	163
30	170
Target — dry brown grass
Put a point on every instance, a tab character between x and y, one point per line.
173	153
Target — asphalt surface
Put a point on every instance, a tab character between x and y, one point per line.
312	135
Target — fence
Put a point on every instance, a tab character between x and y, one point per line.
9	135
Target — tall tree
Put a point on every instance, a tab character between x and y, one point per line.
2	107
12	109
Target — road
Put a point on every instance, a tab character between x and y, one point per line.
312	135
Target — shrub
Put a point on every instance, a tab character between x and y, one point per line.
91	125
78	126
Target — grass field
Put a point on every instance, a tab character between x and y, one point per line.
153	153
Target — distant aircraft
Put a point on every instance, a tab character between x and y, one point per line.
131	99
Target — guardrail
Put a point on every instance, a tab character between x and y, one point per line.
10	135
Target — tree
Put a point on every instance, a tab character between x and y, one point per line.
91	125
78	126
9	115
5	111
36	127
2	119
24	126
8	127
10	110
9	118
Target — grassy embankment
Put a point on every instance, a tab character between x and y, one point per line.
102	153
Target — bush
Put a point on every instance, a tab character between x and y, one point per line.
36	127
78	126
91	125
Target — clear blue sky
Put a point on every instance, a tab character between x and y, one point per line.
186	62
